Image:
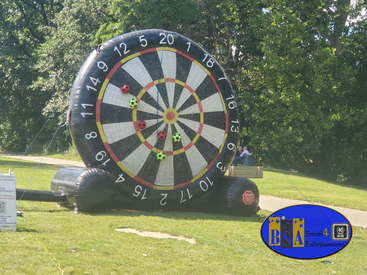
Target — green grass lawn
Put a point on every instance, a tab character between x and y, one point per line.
88	243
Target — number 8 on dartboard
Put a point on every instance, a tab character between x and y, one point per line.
158	113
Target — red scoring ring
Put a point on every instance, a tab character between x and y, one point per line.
188	146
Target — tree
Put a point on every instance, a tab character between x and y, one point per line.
304	100
287	97
344	152
126	16
67	46
21	32
43	45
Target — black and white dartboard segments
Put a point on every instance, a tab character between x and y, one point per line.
180	89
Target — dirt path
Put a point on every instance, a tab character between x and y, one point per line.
46	160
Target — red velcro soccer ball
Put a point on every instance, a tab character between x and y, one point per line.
125	89
142	124
162	135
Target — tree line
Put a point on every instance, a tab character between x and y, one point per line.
299	69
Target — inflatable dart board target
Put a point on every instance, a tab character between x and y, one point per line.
171	84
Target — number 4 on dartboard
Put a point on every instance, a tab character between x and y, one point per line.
120	178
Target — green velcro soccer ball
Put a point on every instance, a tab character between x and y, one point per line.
134	103
176	137
161	156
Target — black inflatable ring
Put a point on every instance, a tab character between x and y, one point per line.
178	88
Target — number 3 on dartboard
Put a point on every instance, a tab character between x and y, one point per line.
234	128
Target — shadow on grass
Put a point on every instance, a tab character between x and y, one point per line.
181	215
45	211
22	229
177	215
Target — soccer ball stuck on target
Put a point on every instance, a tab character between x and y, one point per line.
176	137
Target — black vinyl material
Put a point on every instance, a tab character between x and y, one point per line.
232	193
92	189
39	195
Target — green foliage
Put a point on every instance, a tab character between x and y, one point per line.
127	16
303	97
289	96
67	46
42	48
345	151
21	33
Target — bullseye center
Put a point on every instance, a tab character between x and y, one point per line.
170	116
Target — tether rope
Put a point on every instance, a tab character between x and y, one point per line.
39	163
34	139
59	265
40	131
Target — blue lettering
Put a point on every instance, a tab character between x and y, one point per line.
298	239
287	238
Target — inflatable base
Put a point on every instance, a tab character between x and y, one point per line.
93	189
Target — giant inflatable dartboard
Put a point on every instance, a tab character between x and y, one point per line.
179	88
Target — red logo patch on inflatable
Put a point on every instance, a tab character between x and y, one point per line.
248	197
